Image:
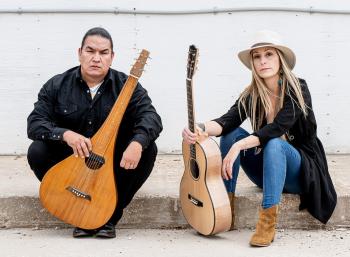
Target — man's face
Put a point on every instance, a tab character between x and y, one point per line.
95	57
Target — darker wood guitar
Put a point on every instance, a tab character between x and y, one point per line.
82	192
204	200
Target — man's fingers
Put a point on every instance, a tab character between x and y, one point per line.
88	143
84	148
81	145
122	163
127	166
80	151
75	152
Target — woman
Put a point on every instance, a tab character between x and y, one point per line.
283	154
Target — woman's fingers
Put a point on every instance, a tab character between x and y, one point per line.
188	136
229	169
224	169
227	165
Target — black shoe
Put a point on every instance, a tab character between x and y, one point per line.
79	232
106	231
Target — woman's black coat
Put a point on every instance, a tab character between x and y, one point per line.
318	194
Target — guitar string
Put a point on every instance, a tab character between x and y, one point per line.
107	138
94	161
191	124
89	172
85	182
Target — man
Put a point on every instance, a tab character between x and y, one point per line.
72	106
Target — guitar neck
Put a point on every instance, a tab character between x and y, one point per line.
107	133
190	110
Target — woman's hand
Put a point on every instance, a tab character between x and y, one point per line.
189	137
228	161
192	138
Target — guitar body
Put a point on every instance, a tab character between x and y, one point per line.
203	196
82	191
90	212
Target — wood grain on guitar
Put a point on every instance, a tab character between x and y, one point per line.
82	192
203	197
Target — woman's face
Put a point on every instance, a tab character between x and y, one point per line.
266	62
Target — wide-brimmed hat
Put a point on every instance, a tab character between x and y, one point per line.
266	38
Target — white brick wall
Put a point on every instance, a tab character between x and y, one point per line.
34	47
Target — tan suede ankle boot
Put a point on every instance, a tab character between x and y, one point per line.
231	196
265	228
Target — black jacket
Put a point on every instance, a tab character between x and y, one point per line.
318	194
64	102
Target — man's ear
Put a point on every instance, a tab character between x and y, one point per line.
79	53
112	58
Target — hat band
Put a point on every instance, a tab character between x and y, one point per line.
261	44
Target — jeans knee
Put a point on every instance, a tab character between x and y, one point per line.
230	138
274	146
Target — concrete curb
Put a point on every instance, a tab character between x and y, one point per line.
157	206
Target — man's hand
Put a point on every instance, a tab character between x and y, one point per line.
131	156
81	145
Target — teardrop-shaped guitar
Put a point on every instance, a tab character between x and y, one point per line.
204	200
82	192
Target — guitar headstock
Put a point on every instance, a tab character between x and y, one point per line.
137	68
192	61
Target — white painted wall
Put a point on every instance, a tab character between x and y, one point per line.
35	46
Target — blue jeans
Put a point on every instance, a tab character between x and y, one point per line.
275	169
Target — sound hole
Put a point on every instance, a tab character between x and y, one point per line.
194	169
94	161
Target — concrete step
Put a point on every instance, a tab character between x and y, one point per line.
156	205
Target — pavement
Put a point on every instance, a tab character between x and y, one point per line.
156	205
172	243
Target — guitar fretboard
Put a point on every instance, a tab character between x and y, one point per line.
190	111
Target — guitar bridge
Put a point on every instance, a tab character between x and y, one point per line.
195	201
78	193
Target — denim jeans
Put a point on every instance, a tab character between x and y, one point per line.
275	169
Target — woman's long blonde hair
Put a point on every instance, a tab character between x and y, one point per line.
259	103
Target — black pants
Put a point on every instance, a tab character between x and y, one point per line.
42	155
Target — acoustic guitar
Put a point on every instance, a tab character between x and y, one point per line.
82	192
203	196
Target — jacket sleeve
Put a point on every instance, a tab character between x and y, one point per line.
40	122
148	123
285	118
232	119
